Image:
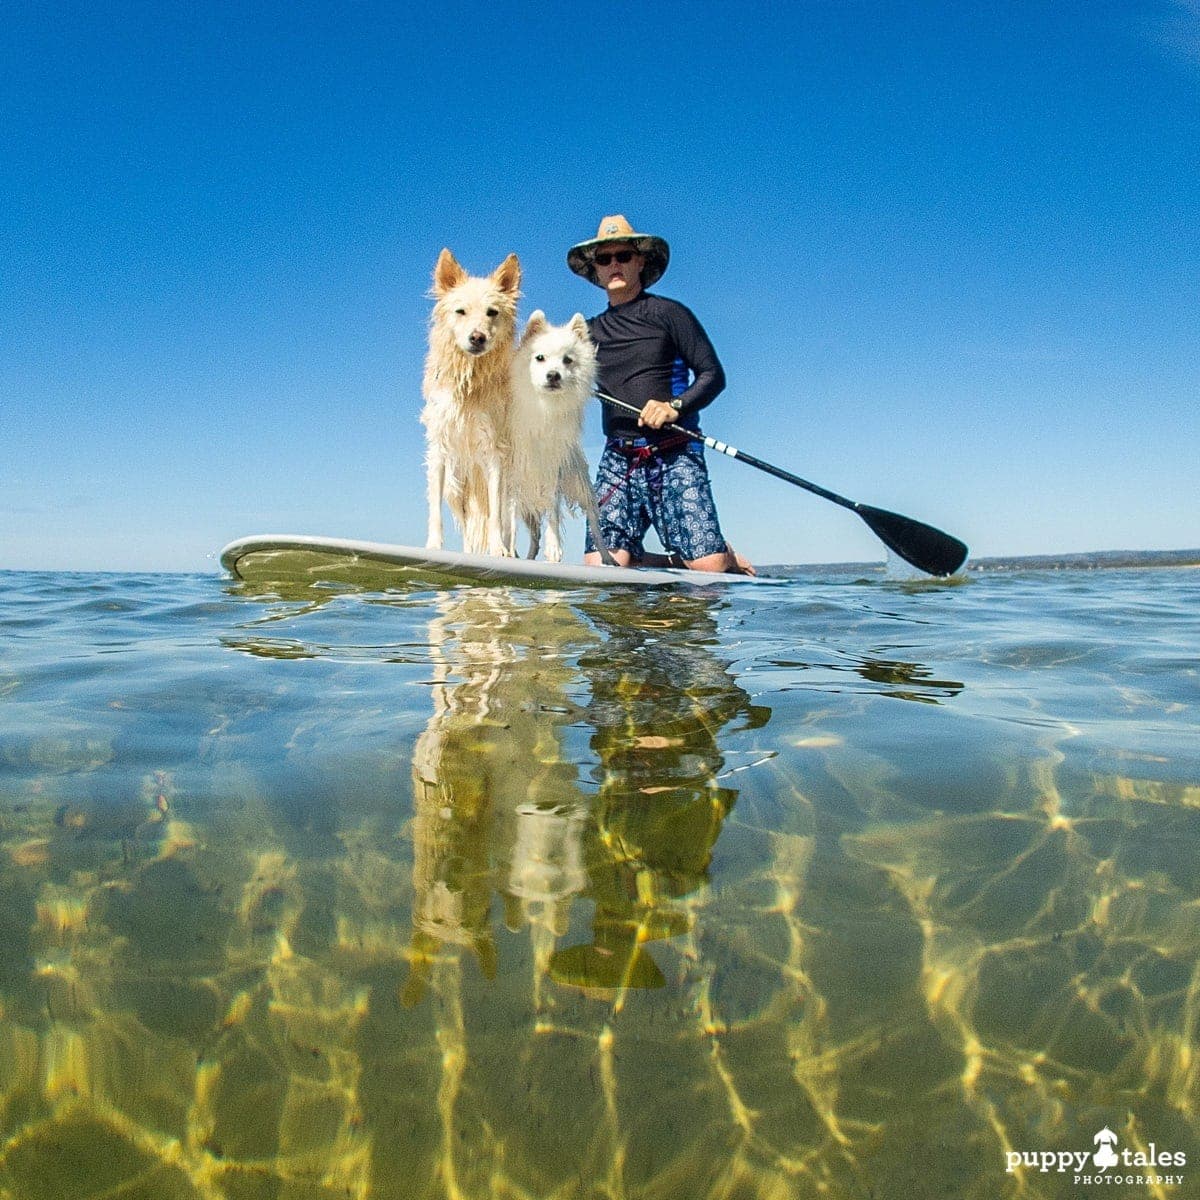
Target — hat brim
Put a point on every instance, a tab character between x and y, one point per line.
655	251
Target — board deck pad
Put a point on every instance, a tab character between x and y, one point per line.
286	558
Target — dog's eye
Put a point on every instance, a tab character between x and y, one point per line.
567	361
491	312
462	312
539	358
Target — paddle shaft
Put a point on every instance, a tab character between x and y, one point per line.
742	456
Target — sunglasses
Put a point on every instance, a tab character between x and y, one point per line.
603	257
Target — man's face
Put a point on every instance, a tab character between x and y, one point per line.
620	280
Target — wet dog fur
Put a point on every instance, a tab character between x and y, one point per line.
467	391
553	378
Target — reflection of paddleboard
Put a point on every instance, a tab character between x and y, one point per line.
283	558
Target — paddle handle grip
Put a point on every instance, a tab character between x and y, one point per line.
742	456
778	472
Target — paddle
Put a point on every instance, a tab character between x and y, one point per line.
928	549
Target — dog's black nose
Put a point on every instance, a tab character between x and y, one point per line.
478	339
553	377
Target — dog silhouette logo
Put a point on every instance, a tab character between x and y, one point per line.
1104	1157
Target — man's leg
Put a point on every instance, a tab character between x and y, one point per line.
619	525
686	519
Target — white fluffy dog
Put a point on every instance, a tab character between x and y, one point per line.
553	376
467	394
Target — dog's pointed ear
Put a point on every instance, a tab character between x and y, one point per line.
508	276
580	326
447	274
534	326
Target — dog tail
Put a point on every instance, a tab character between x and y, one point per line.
475	531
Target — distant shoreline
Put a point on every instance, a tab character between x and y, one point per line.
1095	560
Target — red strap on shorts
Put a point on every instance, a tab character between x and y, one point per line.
639	456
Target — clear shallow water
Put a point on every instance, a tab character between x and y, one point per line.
841	888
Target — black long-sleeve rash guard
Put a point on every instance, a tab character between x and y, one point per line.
637	344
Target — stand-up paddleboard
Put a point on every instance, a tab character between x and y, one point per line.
283	558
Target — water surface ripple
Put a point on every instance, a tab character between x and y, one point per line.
843	888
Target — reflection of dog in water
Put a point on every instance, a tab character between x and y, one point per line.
545	867
496	807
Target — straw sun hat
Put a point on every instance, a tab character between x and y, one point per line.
617	229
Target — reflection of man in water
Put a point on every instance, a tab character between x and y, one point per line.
660	698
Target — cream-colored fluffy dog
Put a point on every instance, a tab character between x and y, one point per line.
467	392
553	376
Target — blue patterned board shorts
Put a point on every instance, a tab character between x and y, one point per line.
670	492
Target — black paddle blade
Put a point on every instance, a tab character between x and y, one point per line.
928	549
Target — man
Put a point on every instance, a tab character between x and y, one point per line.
651	473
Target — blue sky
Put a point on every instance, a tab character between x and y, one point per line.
947	252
